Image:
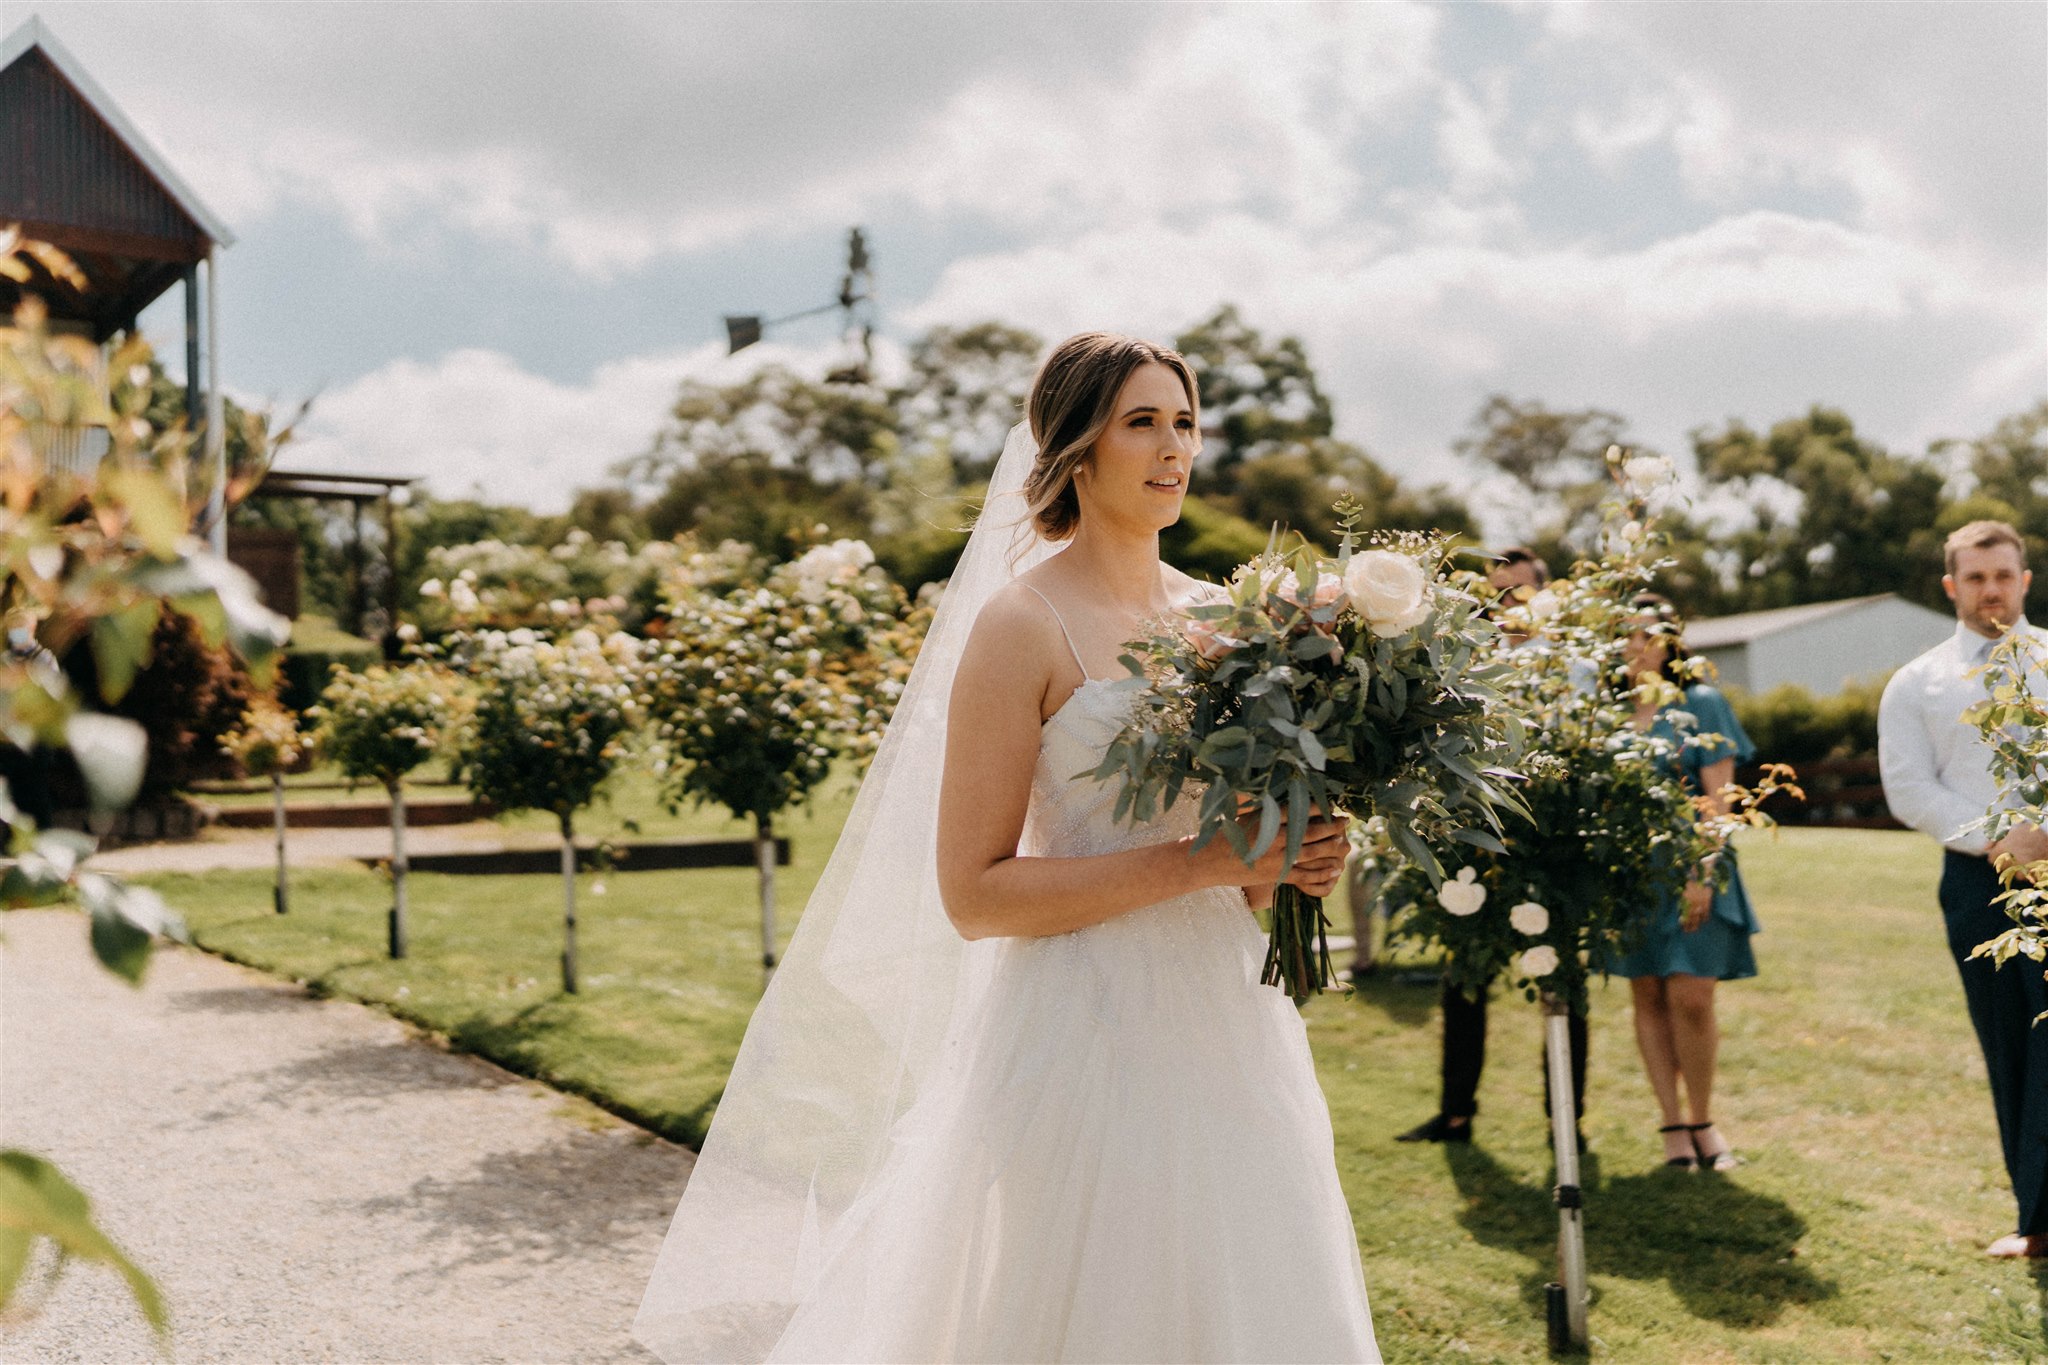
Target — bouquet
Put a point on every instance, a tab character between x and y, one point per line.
1357	686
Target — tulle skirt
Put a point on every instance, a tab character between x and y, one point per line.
1129	1158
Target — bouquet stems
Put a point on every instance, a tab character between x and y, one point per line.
1298	953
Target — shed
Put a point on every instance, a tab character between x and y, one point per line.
74	172
1821	646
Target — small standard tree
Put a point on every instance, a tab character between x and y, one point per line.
551	723
268	743
380	724
761	681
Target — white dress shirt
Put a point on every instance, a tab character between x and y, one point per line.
1936	767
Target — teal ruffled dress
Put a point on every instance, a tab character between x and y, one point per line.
1719	948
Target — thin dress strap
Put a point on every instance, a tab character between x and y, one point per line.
1068	635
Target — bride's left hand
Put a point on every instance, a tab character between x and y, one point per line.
1699	899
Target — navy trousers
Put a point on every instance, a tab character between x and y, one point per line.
2003	1002
1465	1057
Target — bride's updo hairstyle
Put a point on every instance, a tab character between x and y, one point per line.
1073	400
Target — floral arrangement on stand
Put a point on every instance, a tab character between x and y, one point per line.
1609	827
552	721
759	680
2014	723
1363	685
382	723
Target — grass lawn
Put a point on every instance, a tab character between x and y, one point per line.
1849	1079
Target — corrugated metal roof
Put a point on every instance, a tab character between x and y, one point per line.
120	212
1721	631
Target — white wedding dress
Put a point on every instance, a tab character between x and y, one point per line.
1126	1156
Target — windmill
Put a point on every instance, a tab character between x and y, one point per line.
855	303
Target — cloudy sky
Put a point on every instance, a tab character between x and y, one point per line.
493	237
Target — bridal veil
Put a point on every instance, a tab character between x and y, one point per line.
854	1024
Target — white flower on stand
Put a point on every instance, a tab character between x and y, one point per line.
1464	895
1529	918
1539	961
1646	473
1389	590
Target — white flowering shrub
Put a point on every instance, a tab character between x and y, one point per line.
759	681
385	721
267	740
552	719
489	584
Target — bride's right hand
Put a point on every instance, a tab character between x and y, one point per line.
1316	871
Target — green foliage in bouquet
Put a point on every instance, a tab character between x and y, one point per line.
761	678
2014	723
1362	684
1610	831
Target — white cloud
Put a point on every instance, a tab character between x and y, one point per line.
1683	212
1757	315
476	423
473	423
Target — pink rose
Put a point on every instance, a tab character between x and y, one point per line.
1209	640
1329	588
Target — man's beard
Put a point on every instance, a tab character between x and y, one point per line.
1994	623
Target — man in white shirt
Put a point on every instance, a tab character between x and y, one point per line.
1937	778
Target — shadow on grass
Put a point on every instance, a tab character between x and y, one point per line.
572	1198
1407	996
516	1042
1728	1253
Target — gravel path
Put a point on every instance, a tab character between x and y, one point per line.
310	1181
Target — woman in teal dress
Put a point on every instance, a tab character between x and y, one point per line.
1693	941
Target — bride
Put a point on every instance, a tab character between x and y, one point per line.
1015	1094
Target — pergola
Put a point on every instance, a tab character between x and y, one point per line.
74	172
359	491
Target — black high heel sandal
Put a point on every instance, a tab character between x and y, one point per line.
1723	1160
1683	1163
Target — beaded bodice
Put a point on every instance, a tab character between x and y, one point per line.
1071	814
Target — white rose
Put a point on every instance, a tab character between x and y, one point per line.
1389	590
431	588
1529	918
1539	961
1543	605
1463	896
1646	472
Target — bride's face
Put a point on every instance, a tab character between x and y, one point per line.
1138	469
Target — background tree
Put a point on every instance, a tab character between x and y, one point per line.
1833	514
267	743
551	723
763	678
1555	459
380	724
1257	395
